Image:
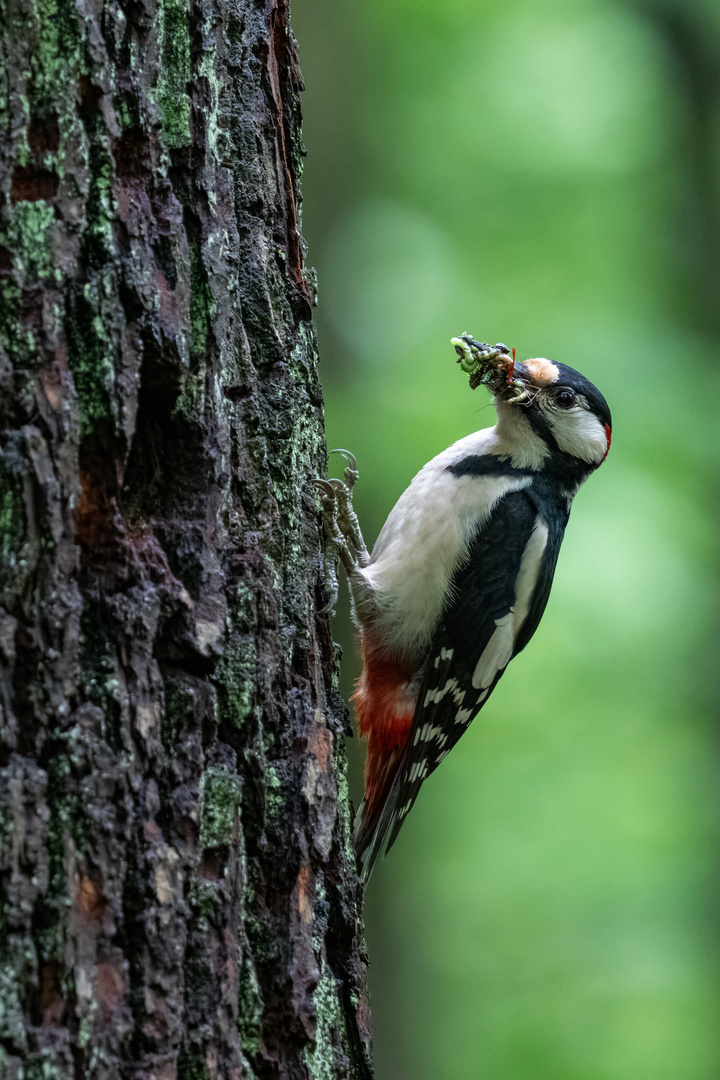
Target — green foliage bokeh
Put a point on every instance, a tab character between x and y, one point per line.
548	176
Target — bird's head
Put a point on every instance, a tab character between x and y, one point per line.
559	406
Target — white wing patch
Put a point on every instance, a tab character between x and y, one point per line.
499	649
528	574
496	654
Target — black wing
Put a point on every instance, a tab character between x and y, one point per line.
474	642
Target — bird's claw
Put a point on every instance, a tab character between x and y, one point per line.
328	491
341	528
351	473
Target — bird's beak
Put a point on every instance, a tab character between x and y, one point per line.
492	366
487	365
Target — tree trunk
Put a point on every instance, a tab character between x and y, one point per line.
177	882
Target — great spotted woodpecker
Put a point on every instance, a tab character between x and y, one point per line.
461	572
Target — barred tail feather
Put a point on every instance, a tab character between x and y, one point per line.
369	837
377	831
370	840
381	769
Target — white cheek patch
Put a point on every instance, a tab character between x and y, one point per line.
496	654
579	433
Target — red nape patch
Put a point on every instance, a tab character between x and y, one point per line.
608	435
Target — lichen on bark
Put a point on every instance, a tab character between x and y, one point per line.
178	894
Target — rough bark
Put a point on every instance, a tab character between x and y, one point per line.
178	896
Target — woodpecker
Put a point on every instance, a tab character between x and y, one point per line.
459	577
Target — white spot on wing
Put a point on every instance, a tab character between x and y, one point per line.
418	771
435	696
444	654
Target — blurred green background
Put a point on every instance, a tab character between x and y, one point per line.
545	175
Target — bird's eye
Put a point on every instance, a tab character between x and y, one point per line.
565	399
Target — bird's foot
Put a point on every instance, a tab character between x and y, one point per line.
334	546
346	517
343	537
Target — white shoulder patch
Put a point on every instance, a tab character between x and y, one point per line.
496	654
499	649
528	574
